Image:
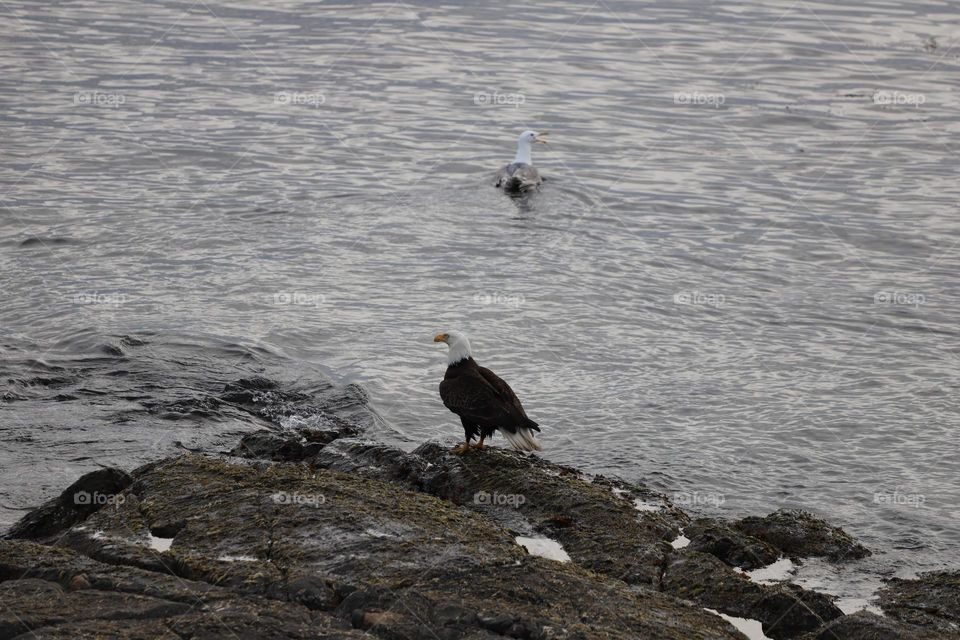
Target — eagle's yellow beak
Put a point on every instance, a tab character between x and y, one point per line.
440	337
541	137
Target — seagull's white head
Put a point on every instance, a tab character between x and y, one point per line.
458	344
531	137
525	142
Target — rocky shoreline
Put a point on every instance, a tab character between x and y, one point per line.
313	531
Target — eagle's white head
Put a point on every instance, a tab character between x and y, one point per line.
525	143
457	342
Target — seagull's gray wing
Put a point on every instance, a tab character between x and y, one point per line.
518	176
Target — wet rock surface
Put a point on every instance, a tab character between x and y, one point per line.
597	528
729	544
799	534
75	504
598	525
306	529
931	601
785	610
366	553
51	592
864	625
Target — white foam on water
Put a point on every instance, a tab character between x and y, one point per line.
680	541
782	569
818	575
159	544
638	503
750	628
855	590
295	421
852	605
641	505
544	547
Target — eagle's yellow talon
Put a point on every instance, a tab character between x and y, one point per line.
461	449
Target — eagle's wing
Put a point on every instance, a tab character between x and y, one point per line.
506	395
470	396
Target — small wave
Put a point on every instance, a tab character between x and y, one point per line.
37	241
315	421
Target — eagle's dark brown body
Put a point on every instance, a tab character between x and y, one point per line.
485	403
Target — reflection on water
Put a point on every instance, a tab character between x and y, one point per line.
739	278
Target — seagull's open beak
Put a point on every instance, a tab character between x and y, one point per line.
541	138
440	337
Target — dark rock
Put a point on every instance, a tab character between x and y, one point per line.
788	610
373	460
78	581
313	592
604	532
267	445
323	436
256	383
50	605
371	619
362	539
352	547
864	625
785	611
799	534
599	530
125	602
931	601
81	499
596	525
728	544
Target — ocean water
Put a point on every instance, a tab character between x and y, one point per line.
738	284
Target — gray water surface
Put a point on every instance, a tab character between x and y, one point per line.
739	283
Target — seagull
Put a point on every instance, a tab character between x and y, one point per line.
520	175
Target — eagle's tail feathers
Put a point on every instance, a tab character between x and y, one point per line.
522	440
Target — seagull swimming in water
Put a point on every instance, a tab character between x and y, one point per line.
520	175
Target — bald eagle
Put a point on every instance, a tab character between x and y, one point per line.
484	402
520	175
